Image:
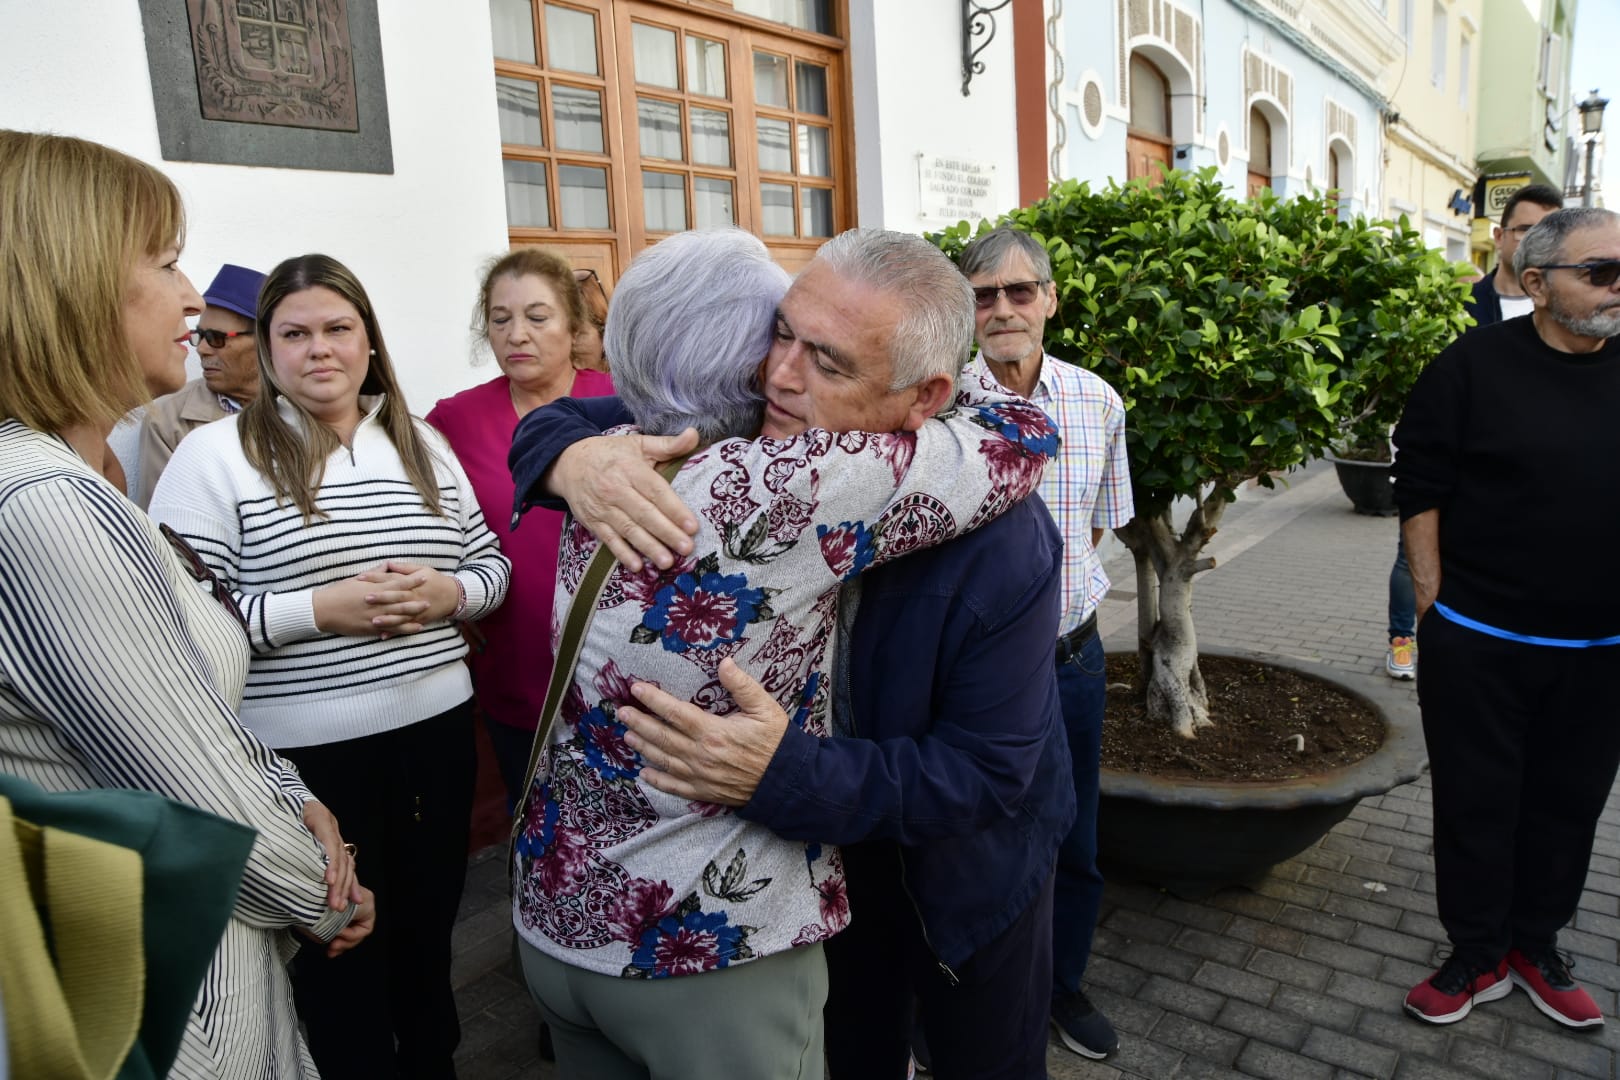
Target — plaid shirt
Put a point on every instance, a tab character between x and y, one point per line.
1088	485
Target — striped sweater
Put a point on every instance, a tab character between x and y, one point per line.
118	670
306	687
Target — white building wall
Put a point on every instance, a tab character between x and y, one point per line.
905	62
1200	47
415	238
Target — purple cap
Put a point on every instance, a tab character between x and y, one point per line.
235	288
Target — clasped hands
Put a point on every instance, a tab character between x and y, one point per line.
343	886
397	597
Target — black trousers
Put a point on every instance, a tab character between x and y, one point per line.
881	973
1523	743
385	1007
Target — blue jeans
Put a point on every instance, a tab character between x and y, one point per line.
1402	599
1082	688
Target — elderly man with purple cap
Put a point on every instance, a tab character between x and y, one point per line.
230	372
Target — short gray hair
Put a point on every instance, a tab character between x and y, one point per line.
935	332
689	324
985	254
1544	243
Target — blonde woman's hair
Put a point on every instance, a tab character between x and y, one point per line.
77	217
292	459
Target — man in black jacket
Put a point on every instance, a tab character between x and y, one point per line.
1508	460
1497	296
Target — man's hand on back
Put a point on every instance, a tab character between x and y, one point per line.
611	485
695	755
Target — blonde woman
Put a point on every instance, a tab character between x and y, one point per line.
353	542
120	665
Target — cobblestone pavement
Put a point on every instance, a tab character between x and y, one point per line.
1300	977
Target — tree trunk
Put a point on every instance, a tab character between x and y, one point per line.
1175	688
1135	538
1167	643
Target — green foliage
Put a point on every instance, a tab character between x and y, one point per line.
1245	336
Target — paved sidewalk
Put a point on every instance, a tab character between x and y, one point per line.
1298	979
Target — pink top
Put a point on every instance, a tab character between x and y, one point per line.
511	671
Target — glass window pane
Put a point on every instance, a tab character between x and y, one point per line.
775	145
518	101
770	80
810	84
805	14
776	201
711	137
570	39
511	24
815	153
577	114
582	193
660	123
816	211
526	194
712	205
664	195
705	67
656	62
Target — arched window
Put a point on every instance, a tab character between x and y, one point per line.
1340	176
1147	139
1259	151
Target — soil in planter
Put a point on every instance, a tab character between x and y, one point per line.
1257	711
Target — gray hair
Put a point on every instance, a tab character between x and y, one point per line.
935	331
690	322
985	254
1544	244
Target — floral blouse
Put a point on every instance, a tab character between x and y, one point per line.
617	877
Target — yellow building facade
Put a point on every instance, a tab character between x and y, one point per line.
1431	127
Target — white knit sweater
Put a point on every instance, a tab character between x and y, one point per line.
306	687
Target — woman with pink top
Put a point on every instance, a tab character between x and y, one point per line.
529	310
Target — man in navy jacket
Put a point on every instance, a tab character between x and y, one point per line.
947	784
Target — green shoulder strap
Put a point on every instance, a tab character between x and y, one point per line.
78	1016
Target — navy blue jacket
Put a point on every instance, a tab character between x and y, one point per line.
959	754
1484	303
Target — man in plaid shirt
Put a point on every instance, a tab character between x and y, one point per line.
1087	489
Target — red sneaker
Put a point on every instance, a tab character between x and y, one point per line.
1544	974
1450	993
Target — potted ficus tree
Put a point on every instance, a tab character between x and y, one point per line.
1246	336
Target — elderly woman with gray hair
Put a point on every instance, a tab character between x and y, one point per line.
643	918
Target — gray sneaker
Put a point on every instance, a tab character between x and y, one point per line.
1082	1027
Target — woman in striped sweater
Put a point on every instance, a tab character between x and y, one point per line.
118	668
352	540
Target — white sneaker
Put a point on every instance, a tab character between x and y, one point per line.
1401	659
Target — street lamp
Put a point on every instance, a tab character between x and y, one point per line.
1591	125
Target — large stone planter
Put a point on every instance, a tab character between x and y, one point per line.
1367	484
1193	838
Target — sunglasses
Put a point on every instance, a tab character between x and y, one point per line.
586	276
199	572
1601	273
1018	293
216	338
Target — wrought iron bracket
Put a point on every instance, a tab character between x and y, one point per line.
978	22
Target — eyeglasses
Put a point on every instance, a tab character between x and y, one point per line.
1601	273
1018	293
1517	229
586	276
216	338
199	572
